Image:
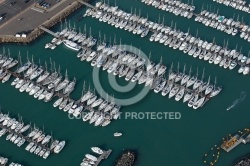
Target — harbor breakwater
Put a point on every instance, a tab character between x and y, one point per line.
47	24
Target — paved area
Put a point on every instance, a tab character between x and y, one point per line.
10	8
29	19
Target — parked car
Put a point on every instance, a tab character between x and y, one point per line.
12	3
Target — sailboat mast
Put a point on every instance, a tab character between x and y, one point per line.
45	66
59	69
184	68
66	74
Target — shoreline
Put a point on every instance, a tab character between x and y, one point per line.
47	24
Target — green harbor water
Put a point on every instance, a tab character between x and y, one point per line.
158	142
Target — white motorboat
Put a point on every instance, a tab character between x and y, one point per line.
117	134
58	102
71	45
97	150
91	157
59	147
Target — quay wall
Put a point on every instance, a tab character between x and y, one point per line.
47	24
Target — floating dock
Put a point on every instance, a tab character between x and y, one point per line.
232	143
105	155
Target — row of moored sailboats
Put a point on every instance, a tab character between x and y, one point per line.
91	108
120	19
209	51
198	48
44	85
72	39
179	85
38	140
242	5
123	63
6	63
227	25
176	7
245	33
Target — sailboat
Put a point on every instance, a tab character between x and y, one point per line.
44	75
63	84
31	69
52	76
6	78
199	102
198	82
55	83
192	80
70	87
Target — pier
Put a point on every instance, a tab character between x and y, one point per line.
232	143
87	4
48	31
25	137
105	155
236	140
242	136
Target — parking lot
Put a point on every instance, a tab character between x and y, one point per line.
30	19
10	8
47	4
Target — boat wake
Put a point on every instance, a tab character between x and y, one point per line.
242	97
